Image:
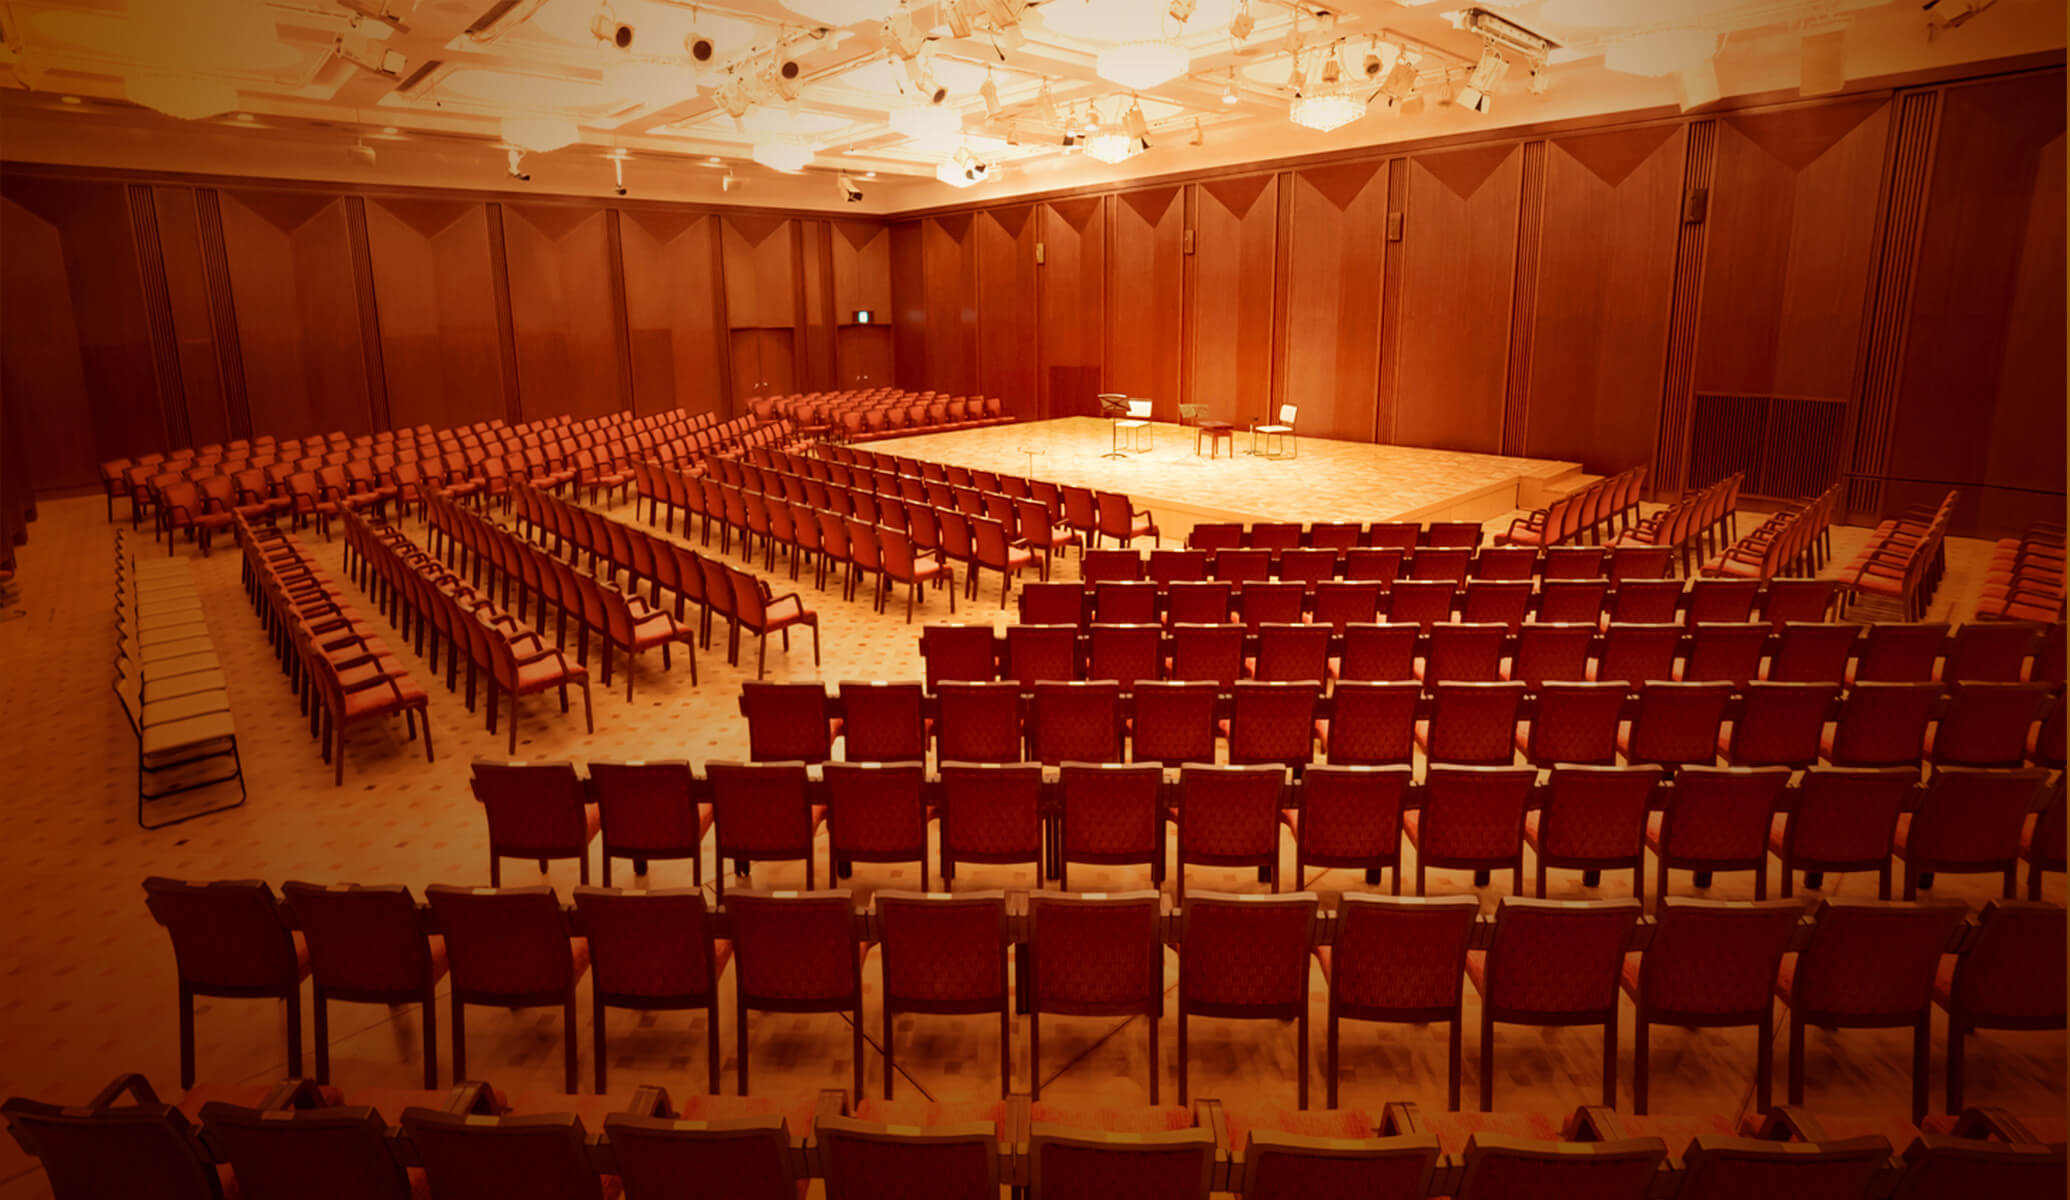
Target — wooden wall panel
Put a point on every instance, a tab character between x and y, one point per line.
862	270
1792	227
297	315
179	234
562	308
909	304
1008	328
434	286
1145	293
75	339
1338	251
1072	310
675	330
1981	398
1235	240
949	281
1606	270
1458	265
816	295
761	256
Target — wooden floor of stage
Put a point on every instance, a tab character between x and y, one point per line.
1317	480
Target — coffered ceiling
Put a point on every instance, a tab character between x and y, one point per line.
444	90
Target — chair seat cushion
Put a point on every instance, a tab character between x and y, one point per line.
1137	1119
926	1113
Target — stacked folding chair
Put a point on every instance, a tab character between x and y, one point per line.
171	684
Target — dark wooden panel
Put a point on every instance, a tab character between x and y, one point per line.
762	364
1458	265
562	309
74	338
1606	271
165	341
864	354
1339	245
1671	449
677	334
862	270
223	312
298	317
1008	327
1983	386
1073	288
816	295
1145	292
1235	238
1792	226
179	236
433	279
761	270
909	304
949	280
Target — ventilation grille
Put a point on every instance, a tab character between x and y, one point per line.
1788	446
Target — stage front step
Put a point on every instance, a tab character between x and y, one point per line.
1550	481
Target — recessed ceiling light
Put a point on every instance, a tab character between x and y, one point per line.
70	100
715	160
869	174
247	118
390	129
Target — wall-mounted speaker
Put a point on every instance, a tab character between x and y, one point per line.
1186	242
1394	227
1695	204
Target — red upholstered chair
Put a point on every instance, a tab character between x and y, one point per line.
1273	723
1037	653
1730	652
1125	654
1122	521
1868	966
1246	957
788	722
1265	603
1716	819
883	722
1167	567
1035	530
1371	724
469	1156
1325	1156
1472	723
318	1153
1229	817
1990	651
1968	822
1216	535
1593	819
367	944
1449	563
1075	722
959	653
1984	1152
1052	604
1813	652
1893	652
1677	724
796	952
761	812
1110	814
1194	602
990	813
1573	601
1350	816
1421	603
1173	722
1552	962
1373	564
510	948
230	939
898	1158
1066	1163
1637	653
900	562
1208	653
653	951
876	812
944	954
1988	724
1722	601
1710	964
1093	956
104	1149
719	1148
758	612
1845	819
994	550
1340	603
2042	841
1574	723
1097	566
1497	603
1125	602
1379	652
1779	724
647	811
535	810
1462	653
1399	960
1241	566
1646	601
2010	976
1472	819
1292	653
979	722
1546	652
1882	724
1498	1167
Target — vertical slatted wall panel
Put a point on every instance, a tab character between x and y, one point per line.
165	340
1671	452
1788	445
1516	398
369	313
222	310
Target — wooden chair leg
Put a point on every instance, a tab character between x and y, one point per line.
320	1028
1641	1062
1182	1053
1330	1060
1922	1045
857	1050
1301	1046
459	1038
889	1069
430	1008
597	1047
1955	1049
1487	1060
1796	1087
1764	1061
1155	1079
711	1041
1610	1055
740	1036
1035	1056
1454	1053
186	1037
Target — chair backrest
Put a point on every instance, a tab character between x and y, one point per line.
1096	954
1229	810
1242	955
1873	959
226	934
648	945
943	953
474	1157
1848	814
504	942
531	806
1558	956
1498	1167
1400	956
646	803
2012	972
1730	1168
1287	413
796	948
1065	1163
1075	721
361	938
1712	957
306	1154
1722	814
1596	811
874	1160
1474	722
143	1149
1174	721
877	808
761	807
1971	817
882	722
1883	724
787	721
1987	724
738	1158
958	652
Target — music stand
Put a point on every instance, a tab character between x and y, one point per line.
1114	407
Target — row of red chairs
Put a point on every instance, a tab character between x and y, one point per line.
1693	526
1694	964
2024	581
744	600
1795	541
298	1141
1903	561
429	605
1338	535
341	670
883	412
1597	512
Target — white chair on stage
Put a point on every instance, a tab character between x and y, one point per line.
1283	429
1132	415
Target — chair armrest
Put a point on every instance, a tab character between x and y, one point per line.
132	1083
1401	1116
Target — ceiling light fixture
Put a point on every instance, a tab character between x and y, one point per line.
1229	89
247	118
1331	107
70	100
1133	124
1487	74
930	89
1142	65
925	123
540	135
1112	146
1242	23
904	34
1296	77
732	96
1400	80
958	20
187	97
788	157
989	92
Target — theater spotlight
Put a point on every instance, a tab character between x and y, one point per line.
925	83
606	27
905	36
1242	23
1486	75
787	76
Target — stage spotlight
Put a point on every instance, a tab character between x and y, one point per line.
989	92
513	159
1242	23
1195	139
1297	78
1046	106
1332	70
698	47
1229	89
957	19
732	96
787	77
1182	10
849	189
925	83
1400	80
1486	75
606	27
361	153
1133	124
1004	14
904	35
1951	14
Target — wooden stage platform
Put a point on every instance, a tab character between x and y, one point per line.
1327	480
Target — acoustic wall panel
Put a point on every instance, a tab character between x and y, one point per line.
1145	294
1333	284
1008	329
1072	303
562	309
1235	238
298	320
675	327
761	270
435	293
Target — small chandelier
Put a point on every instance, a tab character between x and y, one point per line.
926	123
1140	66
1110	146
782	156
1326	110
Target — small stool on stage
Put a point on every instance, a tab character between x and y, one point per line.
1216	432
